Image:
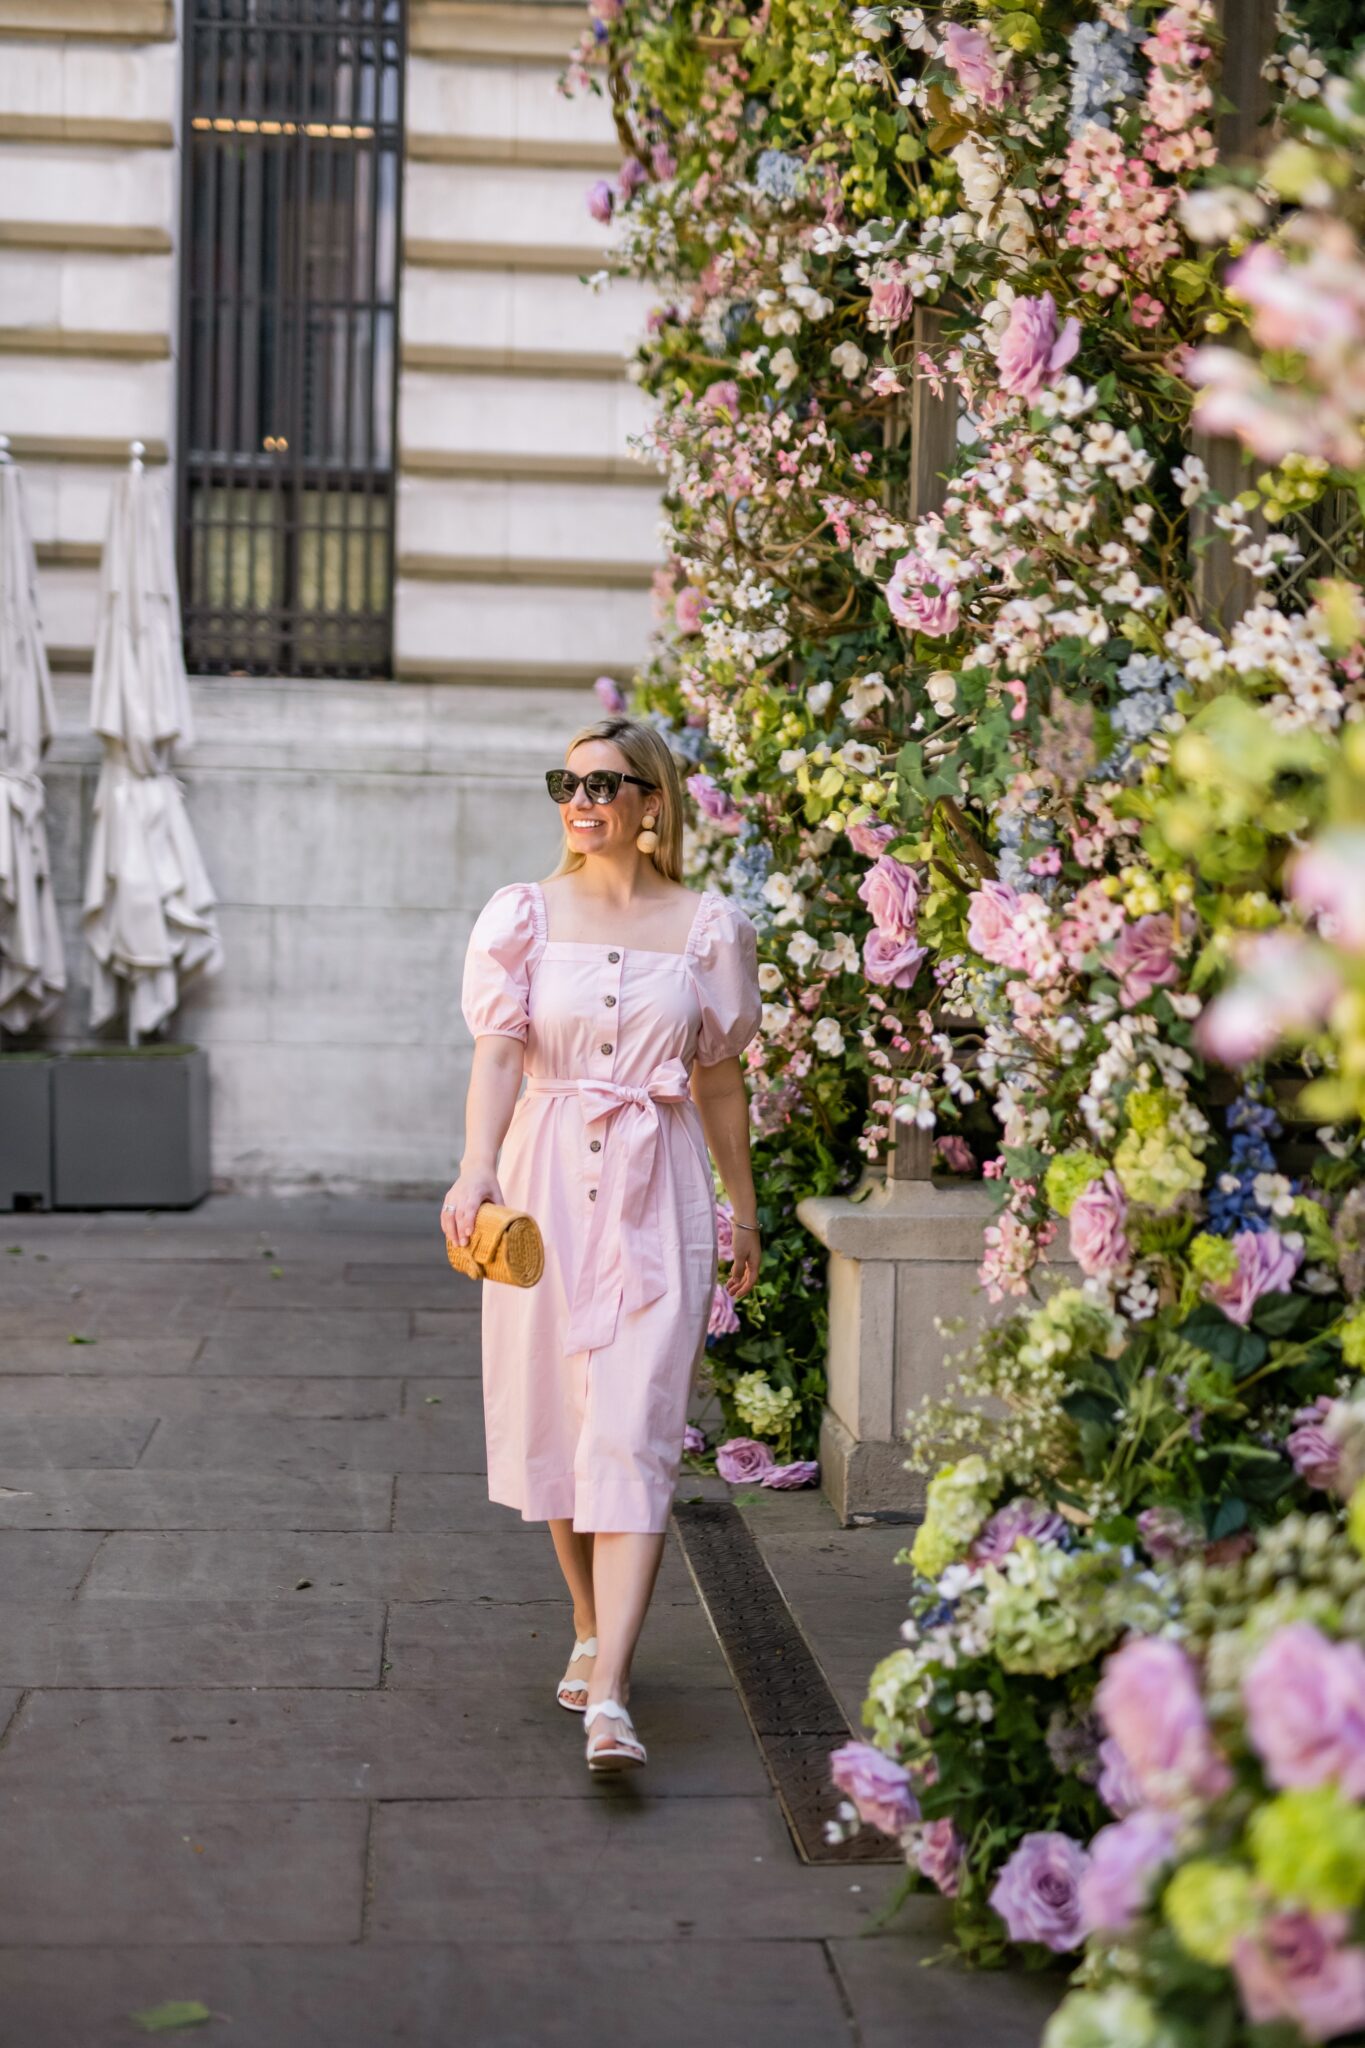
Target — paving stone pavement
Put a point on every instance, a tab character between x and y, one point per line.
277	1727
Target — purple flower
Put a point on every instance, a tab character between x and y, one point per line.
694	1441
891	963
1149	1701
870	840
1305	1702
1293	1968
1265	1265
609	695
1099	1241
723	395
1313	1451
741	1460
600	200
712	801
803	1472
664	162
890	890
878	1786
1118	1787
723	1319
1010	1525
939	1856
1123	1860
1142	959
1037	1894
1166	1533
1032	353
632	176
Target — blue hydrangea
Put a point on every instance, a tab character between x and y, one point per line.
1149	686
778	175
1139	714
687	740
748	871
1016	826
1102	71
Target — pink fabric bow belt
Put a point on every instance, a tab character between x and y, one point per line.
623	1260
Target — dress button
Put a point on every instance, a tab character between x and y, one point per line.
606	1048
596	1145
611	1002
613	956
592	1194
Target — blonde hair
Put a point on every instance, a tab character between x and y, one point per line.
647	755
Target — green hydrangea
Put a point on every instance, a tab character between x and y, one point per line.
1048	1610
1353	1338
895	1701
1209	1907
1213	1258
767	1410
958	1503
1309	1847
1119	2017
1149	1110
1068	1175
1157	1169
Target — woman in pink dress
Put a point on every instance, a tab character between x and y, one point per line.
625	1002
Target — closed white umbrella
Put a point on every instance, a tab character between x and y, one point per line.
32	970
149	906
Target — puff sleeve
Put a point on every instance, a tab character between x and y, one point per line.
725	973
495	995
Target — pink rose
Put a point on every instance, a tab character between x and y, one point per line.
990	924
939	1856
1032	353
1285	986
891	892
922	598
1265	1265
1124	1859
688	606
1037	1892
633	176
609	695
1313	1451
713	802
1117	1786
1099	1241
891	963
742	1460
869	839
955	1154
891	302
725	1232
974	62
1293	1968
1149	1701
600	201
723	1319
722	395
1018	1521
1328	878
1305	1701
877	1785
1142	960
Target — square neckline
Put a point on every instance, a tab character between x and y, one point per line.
604	945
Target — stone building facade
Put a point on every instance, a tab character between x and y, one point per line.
352	828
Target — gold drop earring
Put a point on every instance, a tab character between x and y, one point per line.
648	839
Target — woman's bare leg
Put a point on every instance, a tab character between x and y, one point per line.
574	1550
624	1568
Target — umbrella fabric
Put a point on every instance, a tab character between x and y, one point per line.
32	970
149	906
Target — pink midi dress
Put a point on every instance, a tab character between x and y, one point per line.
587	1374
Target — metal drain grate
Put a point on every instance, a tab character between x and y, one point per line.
795	1717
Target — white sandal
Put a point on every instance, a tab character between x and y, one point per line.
624	1751
566	1684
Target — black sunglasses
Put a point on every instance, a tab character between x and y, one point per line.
601	784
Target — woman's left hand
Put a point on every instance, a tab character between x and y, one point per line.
748	1251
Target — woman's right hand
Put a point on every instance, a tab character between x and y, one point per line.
476	1185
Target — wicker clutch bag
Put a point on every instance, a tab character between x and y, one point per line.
505	1244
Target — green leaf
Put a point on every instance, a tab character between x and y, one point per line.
177	2012
1210	1331
1276	1315
1231	1516
82	1340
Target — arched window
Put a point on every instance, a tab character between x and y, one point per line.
289	344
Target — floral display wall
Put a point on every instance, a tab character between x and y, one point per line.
1040	769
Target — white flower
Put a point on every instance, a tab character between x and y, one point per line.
871	23
829	1039
848	359
1193	479
784	368
779	890
776	1018
941	685
818	696
841	957
1273	1192
864	694
1217	212
801	949
769	978
859	758
790	759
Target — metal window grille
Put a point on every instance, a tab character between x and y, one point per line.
289	343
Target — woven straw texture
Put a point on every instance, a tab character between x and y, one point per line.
505	1245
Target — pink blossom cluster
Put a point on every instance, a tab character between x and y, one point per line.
1120	219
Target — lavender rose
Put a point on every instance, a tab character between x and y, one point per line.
990	924
1313	1451
1010	1525
713	802
1149	1701
1142	957
1032	353
891	892
1124	1859
694	1441
878	1786
600	200
1293	1968
723	1318
1037	1894
1118	1786
609	695
633	176
891	963
1265	1265
1305	1702
801	1472
1099	1242
939	1856
742	1460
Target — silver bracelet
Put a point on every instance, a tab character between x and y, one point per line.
735	1224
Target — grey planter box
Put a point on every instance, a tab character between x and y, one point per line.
130	1128
26	1130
